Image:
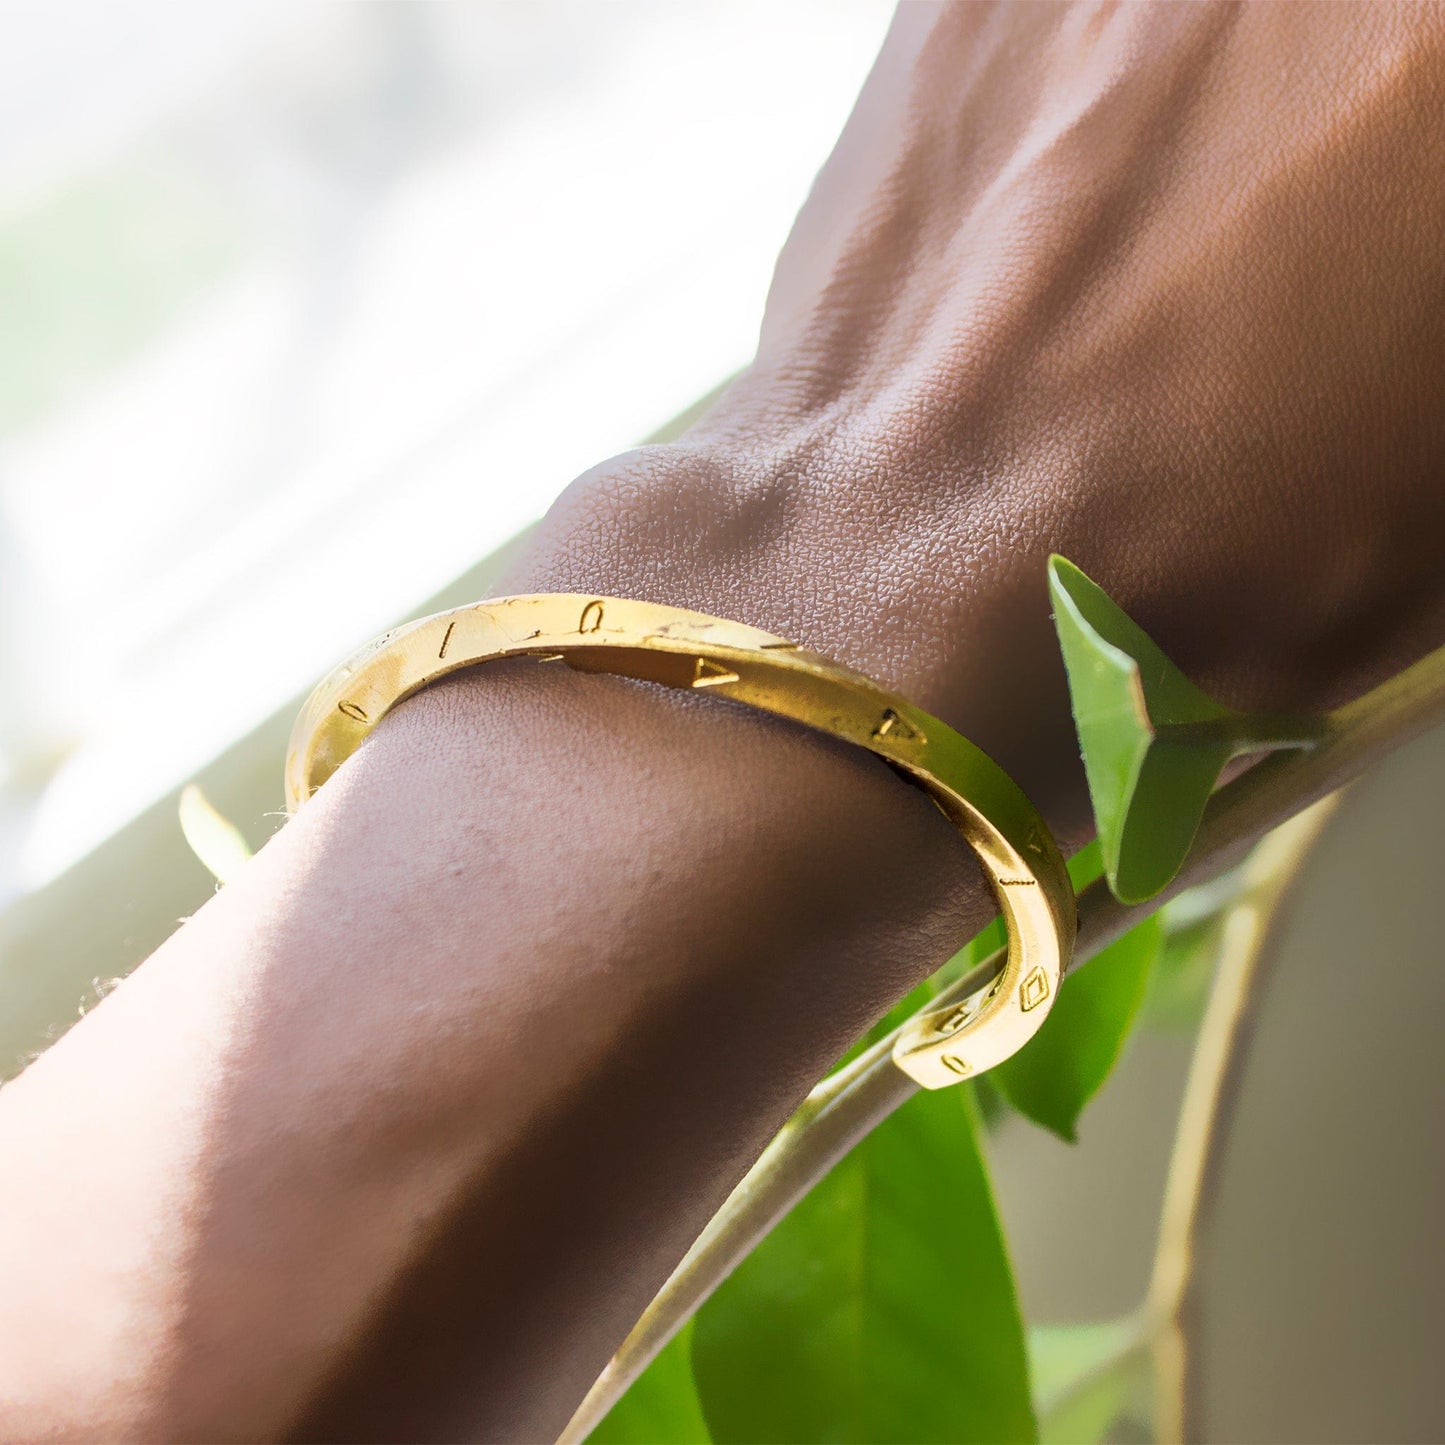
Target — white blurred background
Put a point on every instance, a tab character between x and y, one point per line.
304	308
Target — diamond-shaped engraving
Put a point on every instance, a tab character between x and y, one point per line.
1033	990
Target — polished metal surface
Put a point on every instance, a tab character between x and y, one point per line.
691	651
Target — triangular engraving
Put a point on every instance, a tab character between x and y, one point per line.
708	673
894	728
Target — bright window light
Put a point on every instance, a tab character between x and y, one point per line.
304	309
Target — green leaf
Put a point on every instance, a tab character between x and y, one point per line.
881	1308
1194	924
1063	1356
1053	1076
1153	743
214	839
1179	987
1148	788
1088	1379
661	1407
1086	865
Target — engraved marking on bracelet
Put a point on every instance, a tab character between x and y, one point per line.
952	1038
890	725
955	1020
707	673
1033	990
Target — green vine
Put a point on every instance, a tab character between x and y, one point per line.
856	1285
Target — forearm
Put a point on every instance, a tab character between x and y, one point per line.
401	1130
416	1114
1158	286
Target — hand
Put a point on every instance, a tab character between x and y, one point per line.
1159	287
397	1136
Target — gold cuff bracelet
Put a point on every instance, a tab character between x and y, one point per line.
691	650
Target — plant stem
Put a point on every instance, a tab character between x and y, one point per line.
845	1107
1247	733
1158	1330
1199	1139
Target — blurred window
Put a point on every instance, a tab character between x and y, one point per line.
303	309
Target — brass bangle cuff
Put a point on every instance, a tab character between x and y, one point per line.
691	650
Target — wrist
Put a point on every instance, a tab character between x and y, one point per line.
1054	304
653	920
851	556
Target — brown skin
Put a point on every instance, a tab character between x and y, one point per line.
397	1136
